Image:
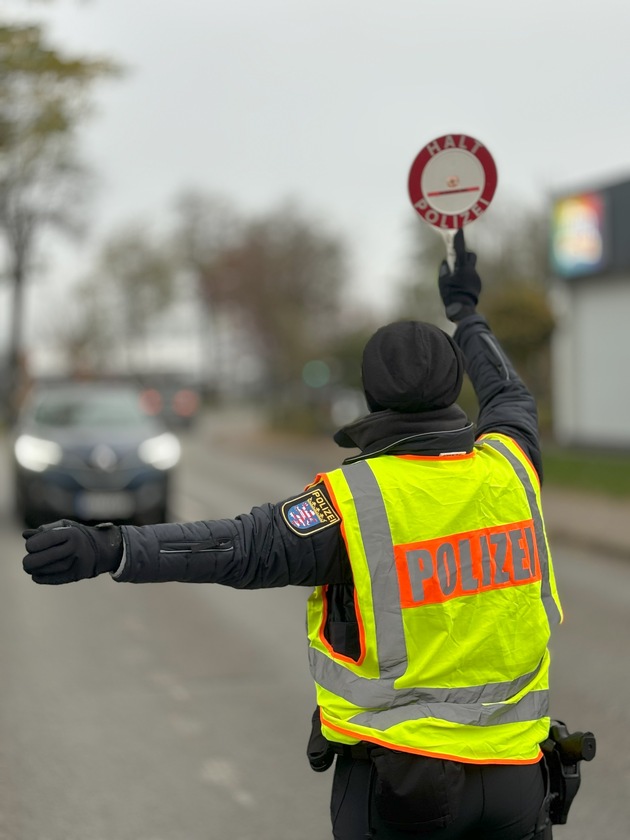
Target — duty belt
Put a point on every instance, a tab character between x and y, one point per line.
359	752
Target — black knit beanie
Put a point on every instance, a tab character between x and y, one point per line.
411	366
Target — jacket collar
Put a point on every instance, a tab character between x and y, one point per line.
394	433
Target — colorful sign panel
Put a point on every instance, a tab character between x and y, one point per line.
579	235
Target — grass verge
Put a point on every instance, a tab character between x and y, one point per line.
607	473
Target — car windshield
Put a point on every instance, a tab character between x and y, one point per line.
90	409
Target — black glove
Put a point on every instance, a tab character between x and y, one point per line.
460	288
319	751
65	551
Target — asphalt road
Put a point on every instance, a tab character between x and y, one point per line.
181	712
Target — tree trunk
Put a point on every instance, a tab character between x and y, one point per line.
16	362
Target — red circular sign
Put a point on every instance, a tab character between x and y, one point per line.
452	181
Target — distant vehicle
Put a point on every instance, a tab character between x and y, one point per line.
90	452
174	402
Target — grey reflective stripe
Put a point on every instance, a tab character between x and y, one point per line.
379	551
367	693
532	706
549	603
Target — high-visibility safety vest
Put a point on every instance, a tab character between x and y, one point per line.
455	596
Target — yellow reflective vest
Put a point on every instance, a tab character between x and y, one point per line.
454	594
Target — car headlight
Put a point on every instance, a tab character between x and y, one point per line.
37	454
161	452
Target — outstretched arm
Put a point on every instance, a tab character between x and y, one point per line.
253	551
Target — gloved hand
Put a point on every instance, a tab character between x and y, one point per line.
66	551
460	288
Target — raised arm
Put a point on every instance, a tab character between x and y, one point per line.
505	403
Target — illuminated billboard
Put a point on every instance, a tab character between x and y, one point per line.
579	235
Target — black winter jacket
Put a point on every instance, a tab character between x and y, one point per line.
262	549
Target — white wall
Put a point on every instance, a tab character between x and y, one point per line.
591	362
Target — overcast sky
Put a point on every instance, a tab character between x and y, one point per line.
328	102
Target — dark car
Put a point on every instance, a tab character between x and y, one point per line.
90	452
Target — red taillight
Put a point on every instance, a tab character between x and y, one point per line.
151	401
185	403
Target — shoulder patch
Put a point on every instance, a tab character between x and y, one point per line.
310	512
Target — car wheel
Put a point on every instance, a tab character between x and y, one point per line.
24	513
160	514
156	516
31	518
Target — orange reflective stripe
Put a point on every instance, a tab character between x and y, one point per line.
334	654
404	748
361	628
446	456
434	571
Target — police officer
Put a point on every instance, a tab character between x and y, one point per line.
434	592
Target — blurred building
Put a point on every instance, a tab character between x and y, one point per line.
590	258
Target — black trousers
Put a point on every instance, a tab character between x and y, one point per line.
499	802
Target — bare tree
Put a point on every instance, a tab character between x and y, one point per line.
43	99
277	279
132	283
286	275
206	227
